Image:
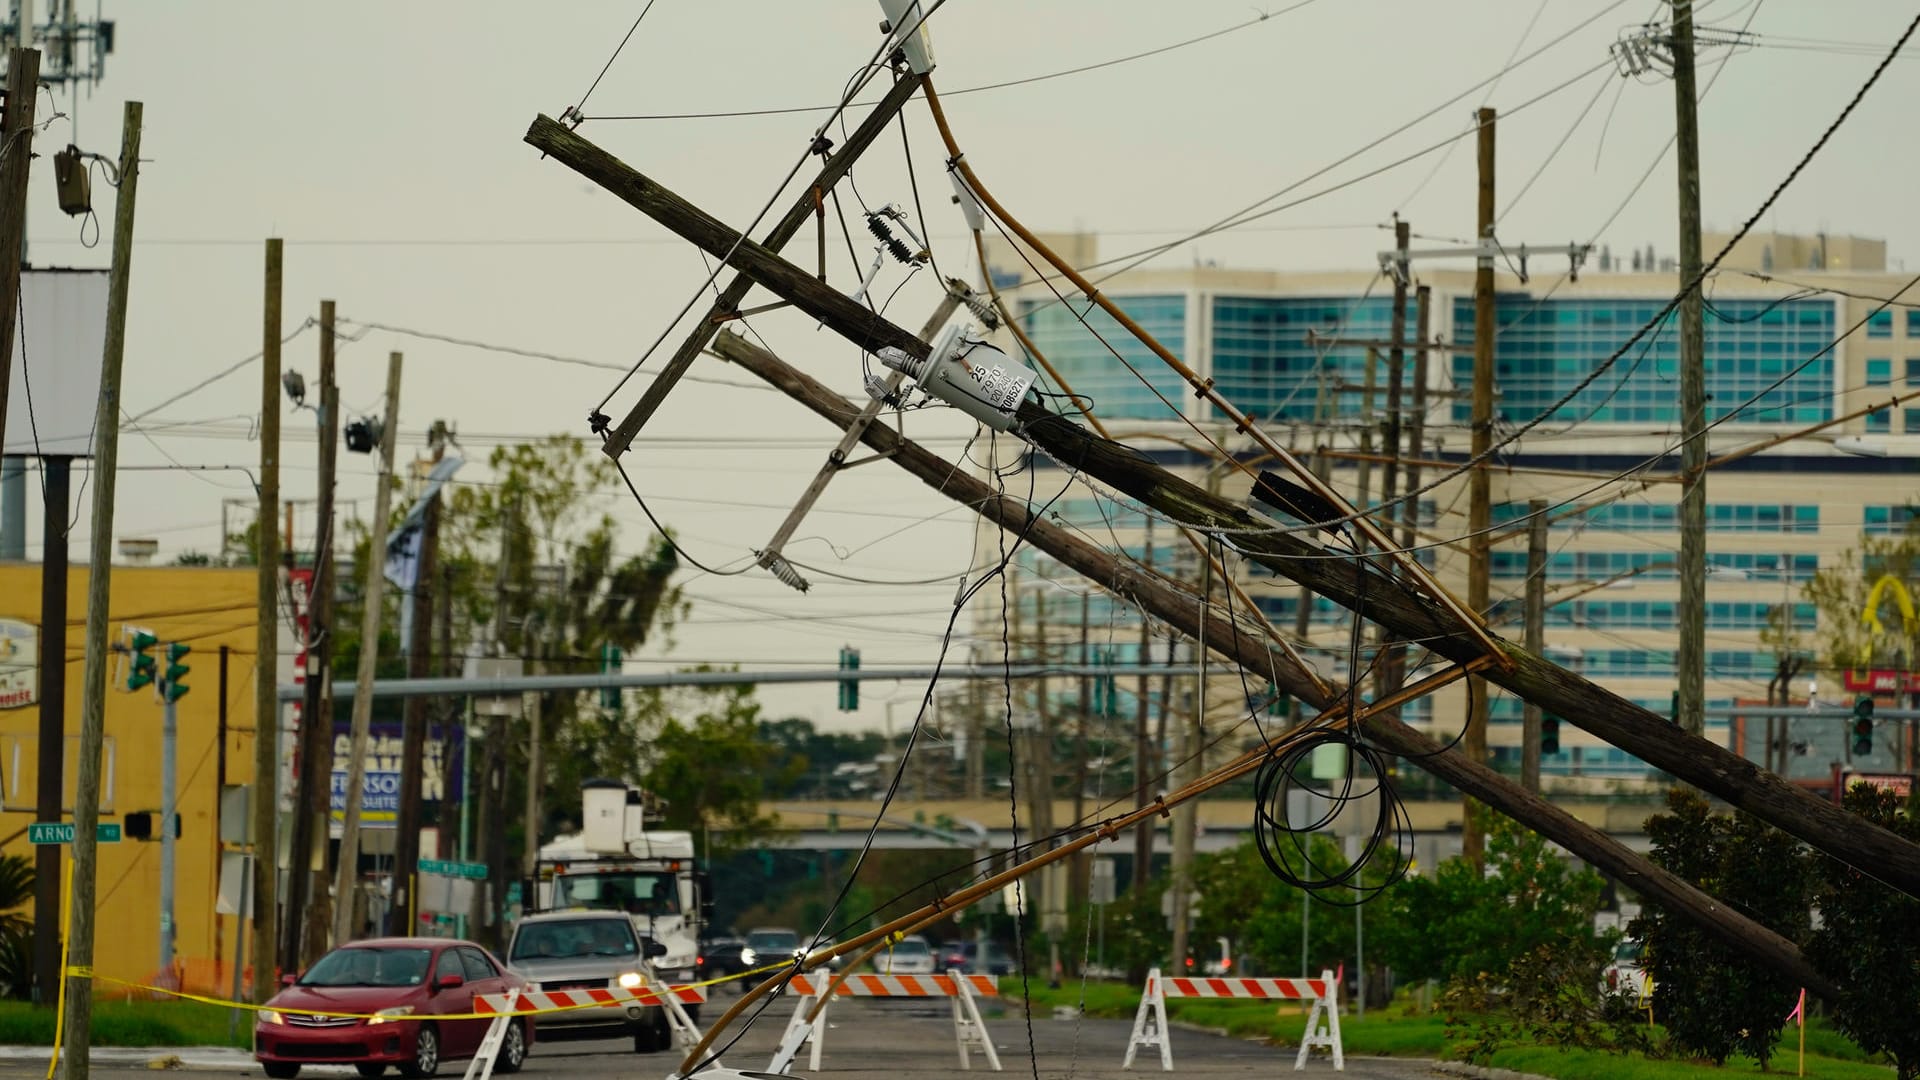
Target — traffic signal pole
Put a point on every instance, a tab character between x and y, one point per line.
169	738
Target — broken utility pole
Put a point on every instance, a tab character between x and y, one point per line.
1715	770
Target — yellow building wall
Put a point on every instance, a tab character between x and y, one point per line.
202	607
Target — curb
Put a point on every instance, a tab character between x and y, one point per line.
1481	1072
151	1057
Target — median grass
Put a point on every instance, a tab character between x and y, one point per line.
1404	1030
131	1023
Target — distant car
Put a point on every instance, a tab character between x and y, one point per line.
1624	973
388	980
769	945
910	955
722	956
590	950
964	956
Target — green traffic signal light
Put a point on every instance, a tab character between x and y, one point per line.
176	671
1863	725
144	666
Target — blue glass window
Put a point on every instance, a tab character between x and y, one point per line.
1910	422
1913	324
1880	423
1889	520
1546	347
1264	364
1880	324
1879	372
1092	368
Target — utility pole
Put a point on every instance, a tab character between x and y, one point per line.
530	859
266	712
50	798
348	871
1479	483
78	1014
16	155
413	732
1690	656
308	909
1392	670
1417	421
1536	637
1142	836
169	809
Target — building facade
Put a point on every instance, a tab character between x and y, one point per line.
1796	335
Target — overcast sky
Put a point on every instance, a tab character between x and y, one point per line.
383	142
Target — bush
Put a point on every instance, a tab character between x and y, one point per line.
1547	996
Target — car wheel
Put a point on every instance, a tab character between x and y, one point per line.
652	1035
513	1049
426	1054
281	1070
369	1069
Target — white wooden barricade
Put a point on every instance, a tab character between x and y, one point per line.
671	999
961	990
1323	1021
481	1067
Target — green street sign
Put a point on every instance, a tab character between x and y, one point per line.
61	832
472	870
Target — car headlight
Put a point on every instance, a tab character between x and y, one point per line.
749	957
630	980
388	1015
268	1016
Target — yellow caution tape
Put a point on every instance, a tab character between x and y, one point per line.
89	973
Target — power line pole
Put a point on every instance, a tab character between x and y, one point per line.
1536	637
1479	483
1392	670
266	711
413	732
348	871
16	157
1690	654
307	906
1417	420
78	1018
1142	836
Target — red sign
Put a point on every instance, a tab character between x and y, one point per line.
1900	784
1881	681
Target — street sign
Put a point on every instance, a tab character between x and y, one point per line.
471	870
61	832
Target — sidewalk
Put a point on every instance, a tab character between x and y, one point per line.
191	1057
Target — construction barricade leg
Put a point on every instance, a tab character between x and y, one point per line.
968	1029
1150	1023
1323	1024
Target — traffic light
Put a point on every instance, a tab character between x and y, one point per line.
1673	709
1549	735
1863	725
849	688
611	660
170	687
144	666
139	825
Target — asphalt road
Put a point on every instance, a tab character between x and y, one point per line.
886	1040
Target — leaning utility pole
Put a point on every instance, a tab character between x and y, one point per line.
1403	608
77	1017
413	731
16	155
266	710
1536	637
1479	483
371	593
1690	655
308	909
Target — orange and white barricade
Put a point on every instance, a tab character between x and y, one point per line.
672	999
809	1022
1323	1022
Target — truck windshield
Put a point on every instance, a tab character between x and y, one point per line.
636	892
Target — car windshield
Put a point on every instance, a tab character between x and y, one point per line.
1627	952
636	892
370	966
774	941
912	948
573	938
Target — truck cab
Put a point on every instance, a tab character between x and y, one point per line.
617	863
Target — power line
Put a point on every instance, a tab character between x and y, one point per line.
788	110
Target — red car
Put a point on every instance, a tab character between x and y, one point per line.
390	980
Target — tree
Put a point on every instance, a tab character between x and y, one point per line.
16	927
1459	922
1714	1001
1869	941
713	769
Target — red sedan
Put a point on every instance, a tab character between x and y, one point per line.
390	982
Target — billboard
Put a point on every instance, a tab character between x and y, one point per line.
54	383
380	795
